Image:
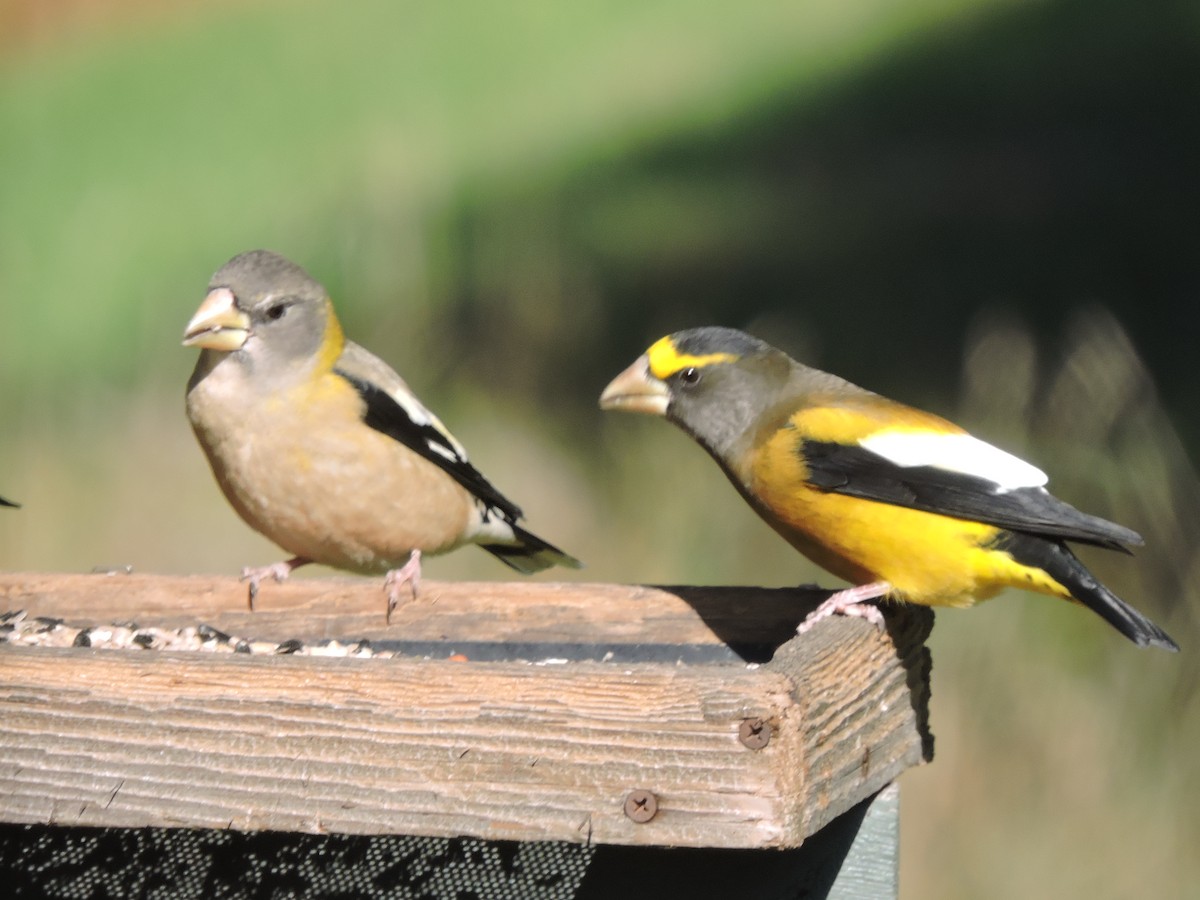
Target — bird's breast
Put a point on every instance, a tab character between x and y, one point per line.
301	467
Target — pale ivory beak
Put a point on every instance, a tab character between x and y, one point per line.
636	390
218	324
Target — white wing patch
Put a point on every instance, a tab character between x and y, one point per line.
453	451
960	453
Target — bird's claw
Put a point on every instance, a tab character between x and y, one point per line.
393	583
255	574
850	602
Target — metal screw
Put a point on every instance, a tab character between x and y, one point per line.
641	805
754	733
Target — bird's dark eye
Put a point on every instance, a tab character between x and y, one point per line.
690	375
276	311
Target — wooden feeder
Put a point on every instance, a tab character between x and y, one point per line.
595	715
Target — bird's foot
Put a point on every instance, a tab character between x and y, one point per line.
850	602
279	571
410	574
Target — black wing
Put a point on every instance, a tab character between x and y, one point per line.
858	472
385	415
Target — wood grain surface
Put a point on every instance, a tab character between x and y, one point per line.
512	749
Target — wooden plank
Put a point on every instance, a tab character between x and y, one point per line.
865	713
316	609
854	857
498	750
513	750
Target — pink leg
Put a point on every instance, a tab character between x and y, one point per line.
279	571
410	574
850	602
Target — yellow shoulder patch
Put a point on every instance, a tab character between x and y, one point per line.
333	343
665	359
849	423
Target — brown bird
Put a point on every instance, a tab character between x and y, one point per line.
322	448
901	503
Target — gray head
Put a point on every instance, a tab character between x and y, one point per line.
718	384
266	313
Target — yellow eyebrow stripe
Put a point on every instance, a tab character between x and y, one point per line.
665	360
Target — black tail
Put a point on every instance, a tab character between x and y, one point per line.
1057	560
4	502
530	553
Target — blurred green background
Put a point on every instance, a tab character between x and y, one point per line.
985	207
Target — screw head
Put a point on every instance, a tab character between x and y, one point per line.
754	733
641	805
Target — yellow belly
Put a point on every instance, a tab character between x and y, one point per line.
929	559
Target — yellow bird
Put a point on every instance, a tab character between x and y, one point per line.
901	503
321	447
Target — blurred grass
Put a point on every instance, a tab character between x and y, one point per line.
297	127
510	202
1062	769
